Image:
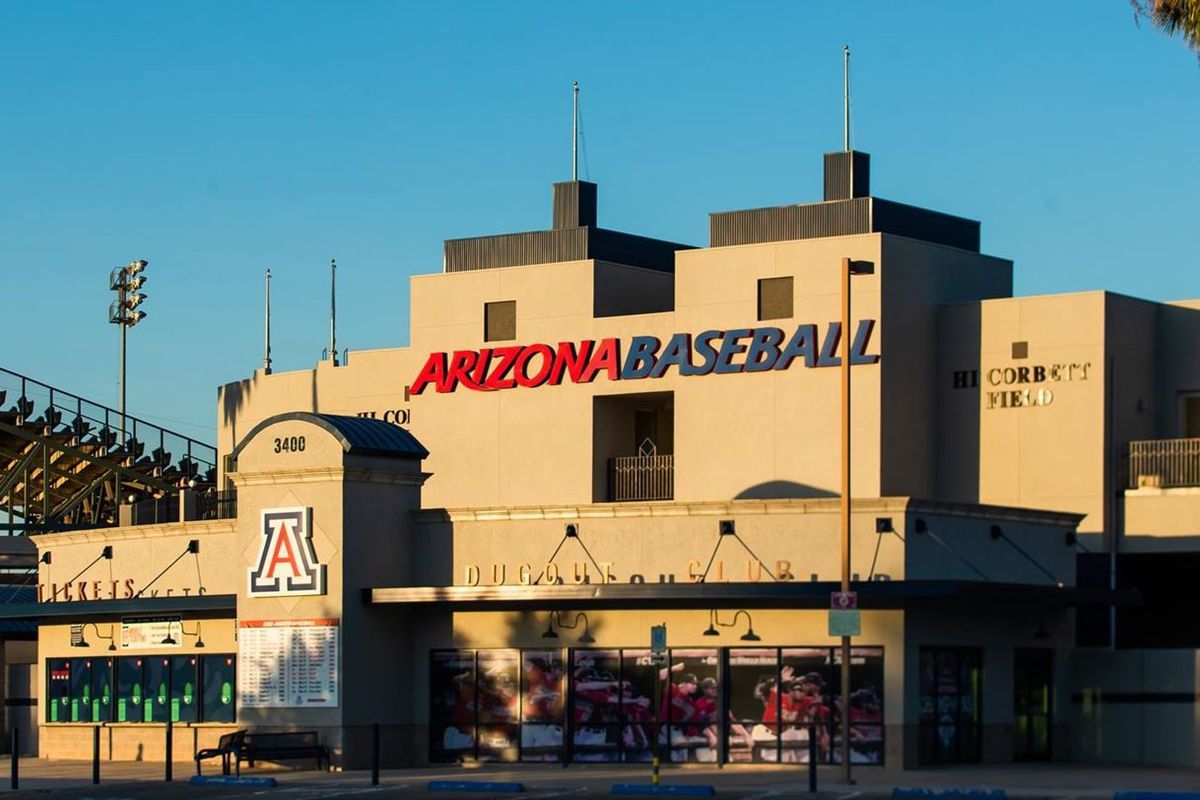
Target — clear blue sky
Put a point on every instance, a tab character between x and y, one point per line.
218	138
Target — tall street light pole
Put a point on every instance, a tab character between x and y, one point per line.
124	312
849	267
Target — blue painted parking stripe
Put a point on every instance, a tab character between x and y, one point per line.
475	786
230	780
695	790
948	794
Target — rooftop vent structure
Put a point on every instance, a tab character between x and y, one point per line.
575	236
848	209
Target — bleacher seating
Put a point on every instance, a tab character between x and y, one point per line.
57	475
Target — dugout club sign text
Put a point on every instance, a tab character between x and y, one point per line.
736	350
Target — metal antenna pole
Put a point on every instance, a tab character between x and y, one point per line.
267	331
846	97
575	132
333	310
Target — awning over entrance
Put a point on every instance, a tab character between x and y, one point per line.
880	595
215	604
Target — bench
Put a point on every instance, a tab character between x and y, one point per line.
228	745
281	746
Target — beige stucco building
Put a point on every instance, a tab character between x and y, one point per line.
467	540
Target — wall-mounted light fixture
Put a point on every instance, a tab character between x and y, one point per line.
884	525
193	548
714	622
106	554
112	645
169	639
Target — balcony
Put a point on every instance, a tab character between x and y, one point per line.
647	477
1164	463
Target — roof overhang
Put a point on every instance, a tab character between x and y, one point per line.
875	595
204	604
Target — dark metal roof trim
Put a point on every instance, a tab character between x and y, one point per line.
558	245
357	435
873	595
106	608
854	216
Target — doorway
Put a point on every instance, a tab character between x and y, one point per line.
951	685
1033	692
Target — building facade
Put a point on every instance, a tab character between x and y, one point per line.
590	433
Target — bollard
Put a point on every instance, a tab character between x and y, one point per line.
375	754
812	757
95	754
16	756
170	742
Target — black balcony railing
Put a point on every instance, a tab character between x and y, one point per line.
641	478
217	505
1164	463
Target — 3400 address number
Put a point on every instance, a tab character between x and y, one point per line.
289	444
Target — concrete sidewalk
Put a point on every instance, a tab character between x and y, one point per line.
72	779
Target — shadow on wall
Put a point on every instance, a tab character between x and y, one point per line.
783	490
960	377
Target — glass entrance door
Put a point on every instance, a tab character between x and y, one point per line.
951	682
1033	684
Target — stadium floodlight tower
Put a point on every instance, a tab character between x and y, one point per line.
124	312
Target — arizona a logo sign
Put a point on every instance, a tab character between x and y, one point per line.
287	564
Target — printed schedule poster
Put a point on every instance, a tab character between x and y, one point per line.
288	663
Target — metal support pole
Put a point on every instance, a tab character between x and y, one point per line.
375	754
846	355
658	727
121	379
170	742
812	756
16	757
96	754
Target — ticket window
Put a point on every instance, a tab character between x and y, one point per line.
101	690
219	676
131	690
156	706
185	699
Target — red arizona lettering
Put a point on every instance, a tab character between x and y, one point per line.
481	365
566	359
460	369
433	372
497	380
527	355
607	357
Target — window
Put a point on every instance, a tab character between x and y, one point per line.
1191	416
500	321
141	689
744	704
775	298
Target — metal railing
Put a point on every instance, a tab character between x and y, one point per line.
641	478
217	505
37	403
1164	463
